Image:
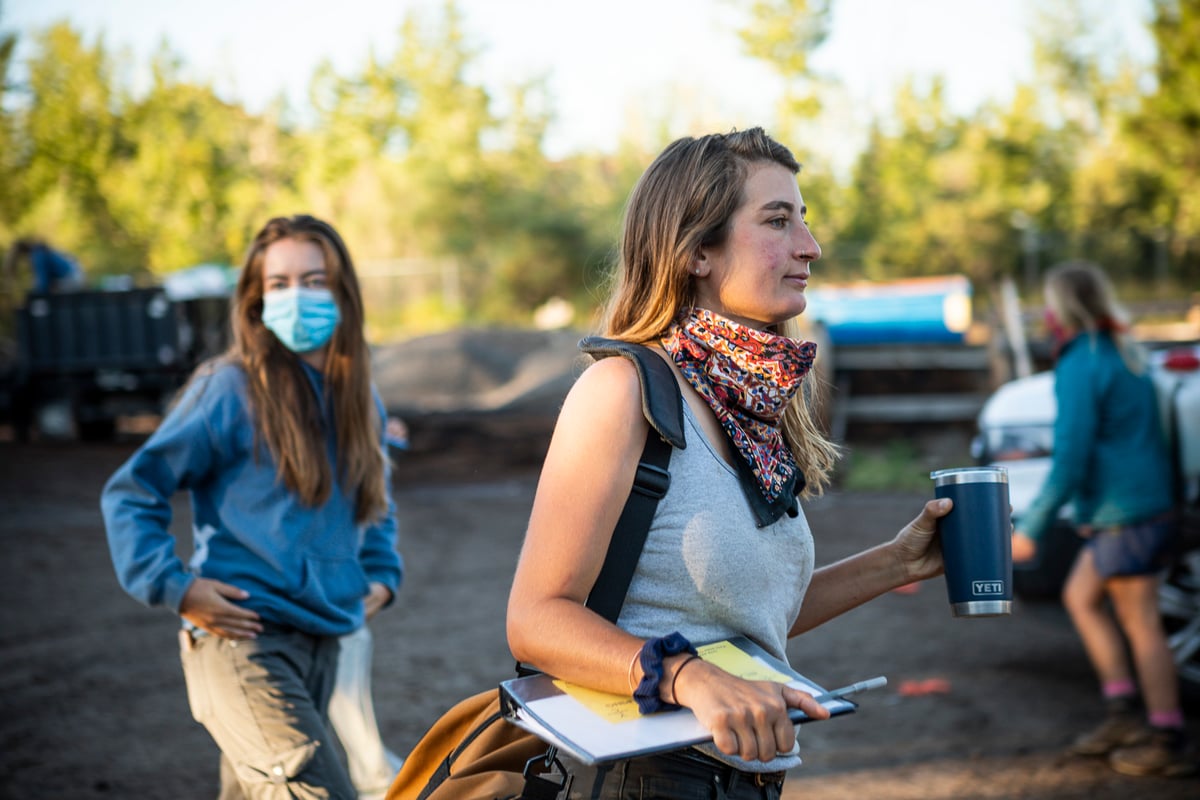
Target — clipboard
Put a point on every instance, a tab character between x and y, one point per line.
595	727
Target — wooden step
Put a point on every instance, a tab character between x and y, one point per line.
910	407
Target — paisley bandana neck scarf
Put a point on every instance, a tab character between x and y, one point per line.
747	377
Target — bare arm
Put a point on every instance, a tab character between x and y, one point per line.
1023	548
585	479
913	555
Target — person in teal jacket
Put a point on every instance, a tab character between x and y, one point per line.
1111	461
280	443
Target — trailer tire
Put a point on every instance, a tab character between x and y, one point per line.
96	430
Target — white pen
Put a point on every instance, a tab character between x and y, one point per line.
861	686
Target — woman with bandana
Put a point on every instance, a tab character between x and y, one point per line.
1112	463
280	442
714	261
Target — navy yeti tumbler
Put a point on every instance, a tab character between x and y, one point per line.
976	540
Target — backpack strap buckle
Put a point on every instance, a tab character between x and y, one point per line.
538	787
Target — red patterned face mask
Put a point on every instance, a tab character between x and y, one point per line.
1056	329
747	377
1061	336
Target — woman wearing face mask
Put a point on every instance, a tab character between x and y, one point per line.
280	442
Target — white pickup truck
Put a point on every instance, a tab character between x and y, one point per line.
1016	432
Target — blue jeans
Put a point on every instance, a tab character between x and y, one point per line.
680	775
264	703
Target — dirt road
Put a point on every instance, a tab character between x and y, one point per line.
92	702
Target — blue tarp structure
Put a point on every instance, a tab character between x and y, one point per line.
916	310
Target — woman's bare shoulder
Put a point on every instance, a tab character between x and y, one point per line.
606	397
610	378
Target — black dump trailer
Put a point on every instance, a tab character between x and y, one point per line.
95	355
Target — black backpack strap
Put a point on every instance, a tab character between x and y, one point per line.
663	406
629	536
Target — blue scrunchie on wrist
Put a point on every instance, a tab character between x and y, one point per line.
651	659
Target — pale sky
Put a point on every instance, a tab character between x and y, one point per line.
606	62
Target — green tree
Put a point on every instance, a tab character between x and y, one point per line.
196	176
784	33
410	128
419	161
1163	135
1132	131
1087	81
942	194
907	189
133	185
67	134
1004	190
12	199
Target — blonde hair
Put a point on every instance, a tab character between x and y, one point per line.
683	202
287	413
1082	297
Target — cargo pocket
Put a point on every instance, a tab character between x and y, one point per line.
195	675
277	768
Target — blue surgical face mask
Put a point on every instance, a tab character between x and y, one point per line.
302	319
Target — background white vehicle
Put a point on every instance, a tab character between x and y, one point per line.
1016	431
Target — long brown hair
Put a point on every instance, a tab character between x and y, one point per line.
287	412
684	201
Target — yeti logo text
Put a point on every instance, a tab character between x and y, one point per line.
987	587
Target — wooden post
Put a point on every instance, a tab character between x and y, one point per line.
1014	329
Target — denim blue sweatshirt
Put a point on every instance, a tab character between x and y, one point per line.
1110	455
305	568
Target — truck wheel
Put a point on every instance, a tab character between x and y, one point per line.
96	430
1179	602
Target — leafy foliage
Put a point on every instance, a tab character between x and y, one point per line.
414	160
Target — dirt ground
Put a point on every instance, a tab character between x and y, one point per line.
92	701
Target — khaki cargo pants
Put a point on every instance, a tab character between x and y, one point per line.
264	701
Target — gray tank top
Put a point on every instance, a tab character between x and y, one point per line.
708	572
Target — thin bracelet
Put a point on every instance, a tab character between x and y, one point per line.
629	675
675	677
